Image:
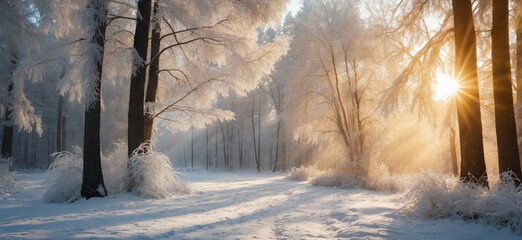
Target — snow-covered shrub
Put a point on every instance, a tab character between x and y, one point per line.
151	174
64	176
340	180
379	179
433	197
7	182
302	173
114	169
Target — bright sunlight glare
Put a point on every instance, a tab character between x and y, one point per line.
445	87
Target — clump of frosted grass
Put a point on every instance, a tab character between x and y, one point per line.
500	206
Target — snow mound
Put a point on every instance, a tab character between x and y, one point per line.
64	176
433	197
7	182
151	174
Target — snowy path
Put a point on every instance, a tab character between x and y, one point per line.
228	206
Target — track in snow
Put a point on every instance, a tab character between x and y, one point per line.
228	206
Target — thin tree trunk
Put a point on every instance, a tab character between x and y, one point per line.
59	126
152	85
277	146
93	185
192	148
137	85
208	153
504	113
184	155
473	167
254	134
259	135
224	144
216	155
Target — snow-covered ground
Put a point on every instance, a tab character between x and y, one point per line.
227	206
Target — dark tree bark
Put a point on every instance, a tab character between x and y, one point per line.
93	184
473	167
504	113
137	86
152	86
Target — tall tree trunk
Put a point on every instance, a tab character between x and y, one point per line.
152	85
277	145
508	158
137	86
259	135
473	167
518	113
254	134
93	185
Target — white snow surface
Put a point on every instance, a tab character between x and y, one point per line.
227	205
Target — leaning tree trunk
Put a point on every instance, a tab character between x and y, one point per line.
473	167
152	85
508	158
93	185
137	86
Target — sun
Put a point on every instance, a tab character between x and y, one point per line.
445	87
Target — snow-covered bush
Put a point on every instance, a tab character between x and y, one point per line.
114	169
302	173
64	176
433	197
7	182
379	179
151	174
340	180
